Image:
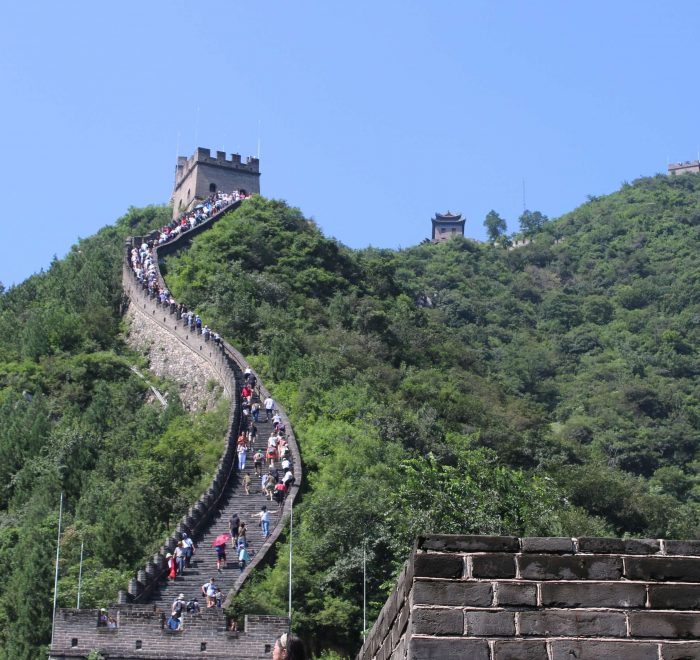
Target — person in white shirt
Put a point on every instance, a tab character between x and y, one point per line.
270	406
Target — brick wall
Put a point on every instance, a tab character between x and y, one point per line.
140	635
498	598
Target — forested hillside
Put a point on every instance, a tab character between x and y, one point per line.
461	387
76	419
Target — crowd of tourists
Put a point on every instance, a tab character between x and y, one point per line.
143	260
189	220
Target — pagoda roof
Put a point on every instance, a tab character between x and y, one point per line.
448	217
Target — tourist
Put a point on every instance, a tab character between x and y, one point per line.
178	606
243	557
220	556
264	516
270	406
233	525
288	647
189	547
209	591
258	458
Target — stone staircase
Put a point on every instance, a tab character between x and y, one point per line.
203	565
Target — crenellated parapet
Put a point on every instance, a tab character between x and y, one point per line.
140	632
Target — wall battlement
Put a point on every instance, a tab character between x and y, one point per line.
203	156
140	633
504	598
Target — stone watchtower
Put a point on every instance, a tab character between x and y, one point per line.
202	174
687	167
447	226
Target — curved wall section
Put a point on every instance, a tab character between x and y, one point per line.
141	608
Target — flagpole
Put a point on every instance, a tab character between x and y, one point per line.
291	528
364	590
55	579
80	574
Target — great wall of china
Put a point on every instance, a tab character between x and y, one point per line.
140	609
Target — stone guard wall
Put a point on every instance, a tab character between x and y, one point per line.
506	598
139	635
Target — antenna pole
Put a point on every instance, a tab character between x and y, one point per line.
55	579
258	139
196	129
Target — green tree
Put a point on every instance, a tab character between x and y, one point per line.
531	222
495	225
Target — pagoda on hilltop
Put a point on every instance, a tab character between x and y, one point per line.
447	226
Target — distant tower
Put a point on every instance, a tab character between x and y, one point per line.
447	226
689	167
202	174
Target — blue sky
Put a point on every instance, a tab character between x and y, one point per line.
371	116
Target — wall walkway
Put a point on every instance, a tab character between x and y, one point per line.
150	593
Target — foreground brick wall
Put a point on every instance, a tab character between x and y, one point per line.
505	598
139	635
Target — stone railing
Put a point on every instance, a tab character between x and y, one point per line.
229	364
502	597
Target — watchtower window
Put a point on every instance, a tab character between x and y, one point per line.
189	194
212	187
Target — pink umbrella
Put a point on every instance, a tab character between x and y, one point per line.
221	539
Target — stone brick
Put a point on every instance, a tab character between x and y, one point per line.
440	566
593	594
494	565
516	594
674	596
468	594
520	649
453	543
576	567
548	544
660	569
426	648
442	621
680	650
593	649
618	546
489	624
572	623
672	625
683	547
